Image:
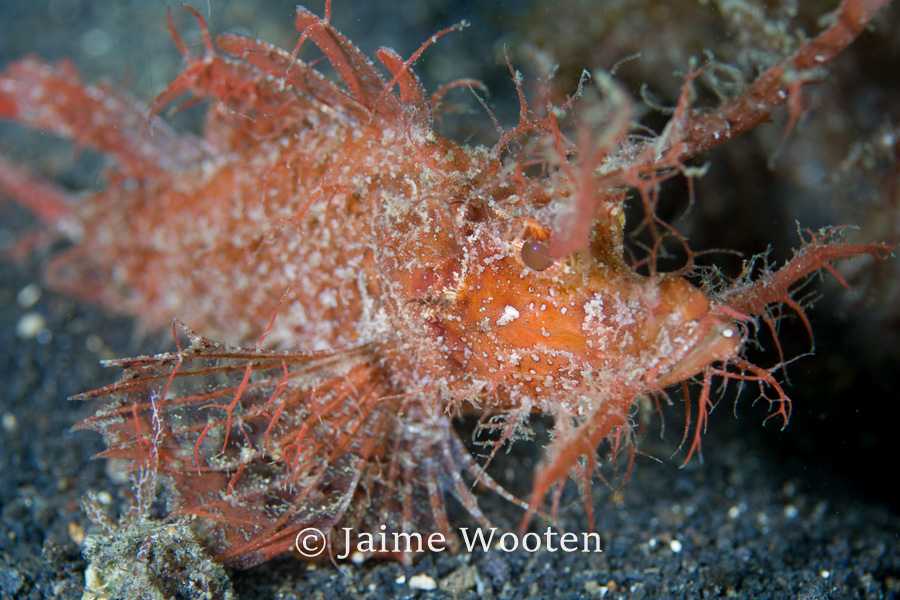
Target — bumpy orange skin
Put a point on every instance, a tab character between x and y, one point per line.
393	260
507	336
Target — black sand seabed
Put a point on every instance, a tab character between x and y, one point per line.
808	512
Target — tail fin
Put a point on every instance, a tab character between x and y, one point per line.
54	98
45	201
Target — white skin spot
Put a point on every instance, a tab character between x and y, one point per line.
510	314
728	332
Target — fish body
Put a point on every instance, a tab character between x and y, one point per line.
365	280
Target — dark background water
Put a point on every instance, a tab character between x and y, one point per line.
810	511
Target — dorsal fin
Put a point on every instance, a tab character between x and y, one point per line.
274	61
352	65
412	94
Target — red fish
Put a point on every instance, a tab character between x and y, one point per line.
391	279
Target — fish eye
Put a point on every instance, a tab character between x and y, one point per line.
536	256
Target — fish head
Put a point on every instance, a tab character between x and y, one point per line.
490	309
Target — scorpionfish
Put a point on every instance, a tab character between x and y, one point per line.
366	280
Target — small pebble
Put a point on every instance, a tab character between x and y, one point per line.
30	325
76	533
10	423
29	295
422	582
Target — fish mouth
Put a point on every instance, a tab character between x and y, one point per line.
721	341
